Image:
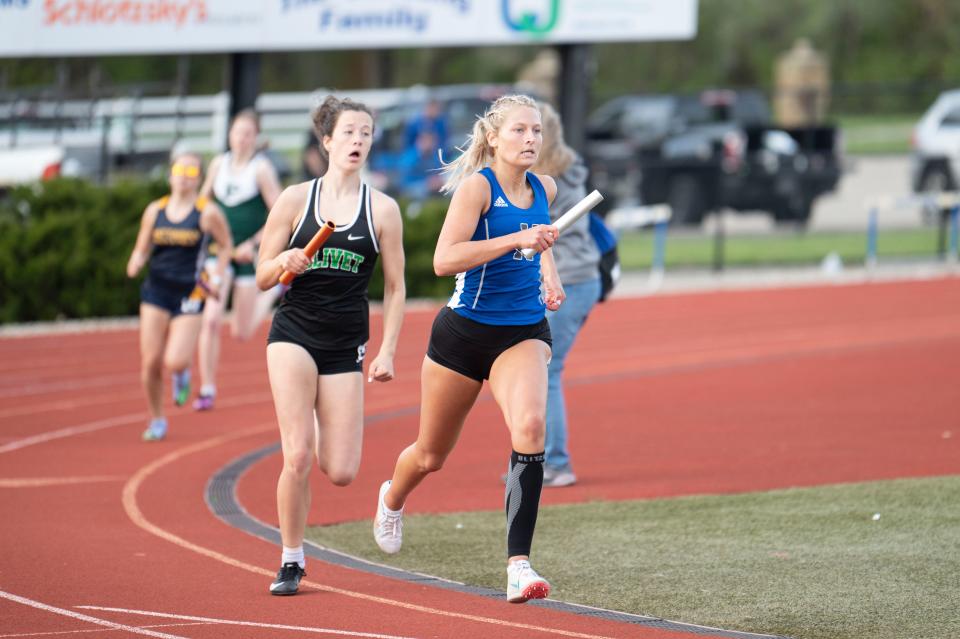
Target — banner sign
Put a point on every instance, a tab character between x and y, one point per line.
31	28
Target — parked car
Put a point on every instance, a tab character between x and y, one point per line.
935	164
715	149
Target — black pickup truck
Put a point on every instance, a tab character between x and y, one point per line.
714	150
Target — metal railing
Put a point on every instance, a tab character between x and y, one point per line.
945	205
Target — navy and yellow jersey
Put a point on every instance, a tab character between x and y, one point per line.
178	248
326	307
504	291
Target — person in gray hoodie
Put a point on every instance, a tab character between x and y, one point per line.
577	258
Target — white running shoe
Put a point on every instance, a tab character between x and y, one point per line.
387	526
523	583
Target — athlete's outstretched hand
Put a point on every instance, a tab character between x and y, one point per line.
294	260
539	238
381	369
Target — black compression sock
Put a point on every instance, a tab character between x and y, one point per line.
524	483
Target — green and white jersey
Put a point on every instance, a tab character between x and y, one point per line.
237	193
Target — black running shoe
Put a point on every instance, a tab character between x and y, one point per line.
288	579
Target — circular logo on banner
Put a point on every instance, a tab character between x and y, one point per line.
537	23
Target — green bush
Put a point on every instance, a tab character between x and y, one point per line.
420	234
64	246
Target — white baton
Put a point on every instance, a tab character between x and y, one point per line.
567	220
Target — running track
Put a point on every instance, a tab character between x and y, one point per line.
105	536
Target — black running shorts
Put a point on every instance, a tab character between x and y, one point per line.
348	360
175	298
470	348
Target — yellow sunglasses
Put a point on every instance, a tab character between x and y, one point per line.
185	170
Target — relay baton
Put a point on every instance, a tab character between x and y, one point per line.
311	248
567	220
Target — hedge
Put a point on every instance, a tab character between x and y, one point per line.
64	246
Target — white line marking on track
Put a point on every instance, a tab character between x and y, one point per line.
120	420
39	388
84	632
100	424
255	624
40	482
68	405
87	618
137	517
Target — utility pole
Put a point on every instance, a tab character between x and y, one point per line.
244	81
573	92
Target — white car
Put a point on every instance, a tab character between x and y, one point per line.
936	146
18	166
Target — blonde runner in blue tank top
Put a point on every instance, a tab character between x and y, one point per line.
504	291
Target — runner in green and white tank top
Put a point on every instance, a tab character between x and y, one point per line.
237	192
244	184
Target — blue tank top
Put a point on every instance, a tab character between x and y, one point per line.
504	291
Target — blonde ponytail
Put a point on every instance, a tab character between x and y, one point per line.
478	152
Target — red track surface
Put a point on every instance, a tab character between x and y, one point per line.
705	393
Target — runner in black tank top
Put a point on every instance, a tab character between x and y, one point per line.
317	342
326	308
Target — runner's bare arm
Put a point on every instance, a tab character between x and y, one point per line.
207	189
456	252
214	222
141	248
389	229
283	217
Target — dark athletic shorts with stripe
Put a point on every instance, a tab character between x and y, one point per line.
470	348
171	296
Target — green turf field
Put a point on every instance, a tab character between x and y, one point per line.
778	249
876	560
877	134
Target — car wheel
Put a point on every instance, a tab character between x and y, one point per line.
936	179
687	200
794	212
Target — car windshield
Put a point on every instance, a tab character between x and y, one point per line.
635	114
647	113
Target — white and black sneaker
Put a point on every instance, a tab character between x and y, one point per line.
524	584
387	524
288	579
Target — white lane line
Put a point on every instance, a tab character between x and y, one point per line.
132	508
41	482
115	397
254	624
87	618
120	420
100	424
52	633
39	388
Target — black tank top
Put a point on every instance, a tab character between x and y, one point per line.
178	247
326	307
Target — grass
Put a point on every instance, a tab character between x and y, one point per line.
777	249
877	134
810	563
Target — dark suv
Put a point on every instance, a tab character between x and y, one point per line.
715	149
